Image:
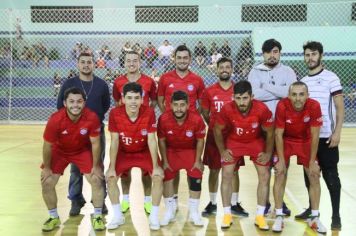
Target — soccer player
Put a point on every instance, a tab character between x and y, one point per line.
133	74
133	144
213	99
246	119
97	98
181	136
270	81
325	87
72	135
298	121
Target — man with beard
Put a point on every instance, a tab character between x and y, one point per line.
133	74
246	119
181	136
213	99
325	87
298	122
97	97
72	136
270	81
180	79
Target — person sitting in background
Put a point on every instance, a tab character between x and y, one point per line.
213	63
200	53
100	63
225	50
126	48
150	54
57	80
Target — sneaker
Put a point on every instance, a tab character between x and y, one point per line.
105	209
227	221
51	224
315	224
169	216
148	207
125	206
278	224
267	209
286	210
238	210
304	215
260	222
336	223
115	223
98	223
195	218
154	222
76	207
209	210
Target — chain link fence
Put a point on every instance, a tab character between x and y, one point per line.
38	47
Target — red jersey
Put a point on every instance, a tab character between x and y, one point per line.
181	136
214	98
132	134
296	124
192	84
71	138
148	87
244	129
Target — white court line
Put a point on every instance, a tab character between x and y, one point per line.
293	199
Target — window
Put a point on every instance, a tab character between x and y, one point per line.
166	14
62	14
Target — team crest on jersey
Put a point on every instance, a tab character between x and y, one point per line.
144	132
171	86
83	131
320	119
254	125
190	87
215	98
189	133
306	119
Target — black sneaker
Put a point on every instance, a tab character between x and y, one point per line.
76	206
238	210
267	209
335	223
209	210
286	210
304	215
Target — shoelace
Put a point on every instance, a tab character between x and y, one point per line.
49	220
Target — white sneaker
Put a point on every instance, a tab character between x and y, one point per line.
154	222
278	224
175	204
196	219
315	224
169	216
115	223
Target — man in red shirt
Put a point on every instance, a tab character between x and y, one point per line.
72	135
213	99
298	122
245	119
133	144
133	74
181	136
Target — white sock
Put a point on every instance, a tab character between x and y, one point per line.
126	197
53	213
227	210
147	199
279	212
234	198
154	211
117	211
260	210
315	212
169	202
98	211
193	203
213	198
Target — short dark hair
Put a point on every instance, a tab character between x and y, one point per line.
298	83
269	44
179	95
314	46
132	53
223	60
74	90
182	48
132	87
86	54
242	87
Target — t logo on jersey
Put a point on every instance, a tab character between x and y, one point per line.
126	140
239	131
218	105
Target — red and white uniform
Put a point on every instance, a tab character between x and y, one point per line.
133	135
181	141
71	141
296	125
148	86
245	132
170	82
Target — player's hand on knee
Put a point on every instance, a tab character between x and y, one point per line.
263	157
198	165
314	169
226	155
45	174
110	173
97	171
166	166
158	171
280	168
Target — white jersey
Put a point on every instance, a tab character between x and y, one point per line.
322	87
270	85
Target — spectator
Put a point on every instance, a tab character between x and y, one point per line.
109	77
244	59
100	63
150	54
225	50
57	80
213	63
40	54
213	48
200	53
126	48
165	51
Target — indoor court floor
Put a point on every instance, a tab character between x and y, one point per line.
22	210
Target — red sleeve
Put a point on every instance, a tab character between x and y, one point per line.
280	116
161	86
266	117
201	129
112	124
115	91
153	90
205	102
316	119
95	126
201	88
160	128
152	125
50	133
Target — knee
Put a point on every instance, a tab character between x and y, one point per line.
227	175
48	184
95	181
264	176
194	184
157	180
111	182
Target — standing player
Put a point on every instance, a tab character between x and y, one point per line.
181	136
133	144
270	81
97	97
133	74
180	79
246	119
298	121
72	136
325	87
213	99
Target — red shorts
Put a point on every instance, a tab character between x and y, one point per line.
59	161
181	159
301	150
212	156
126	161
251	149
